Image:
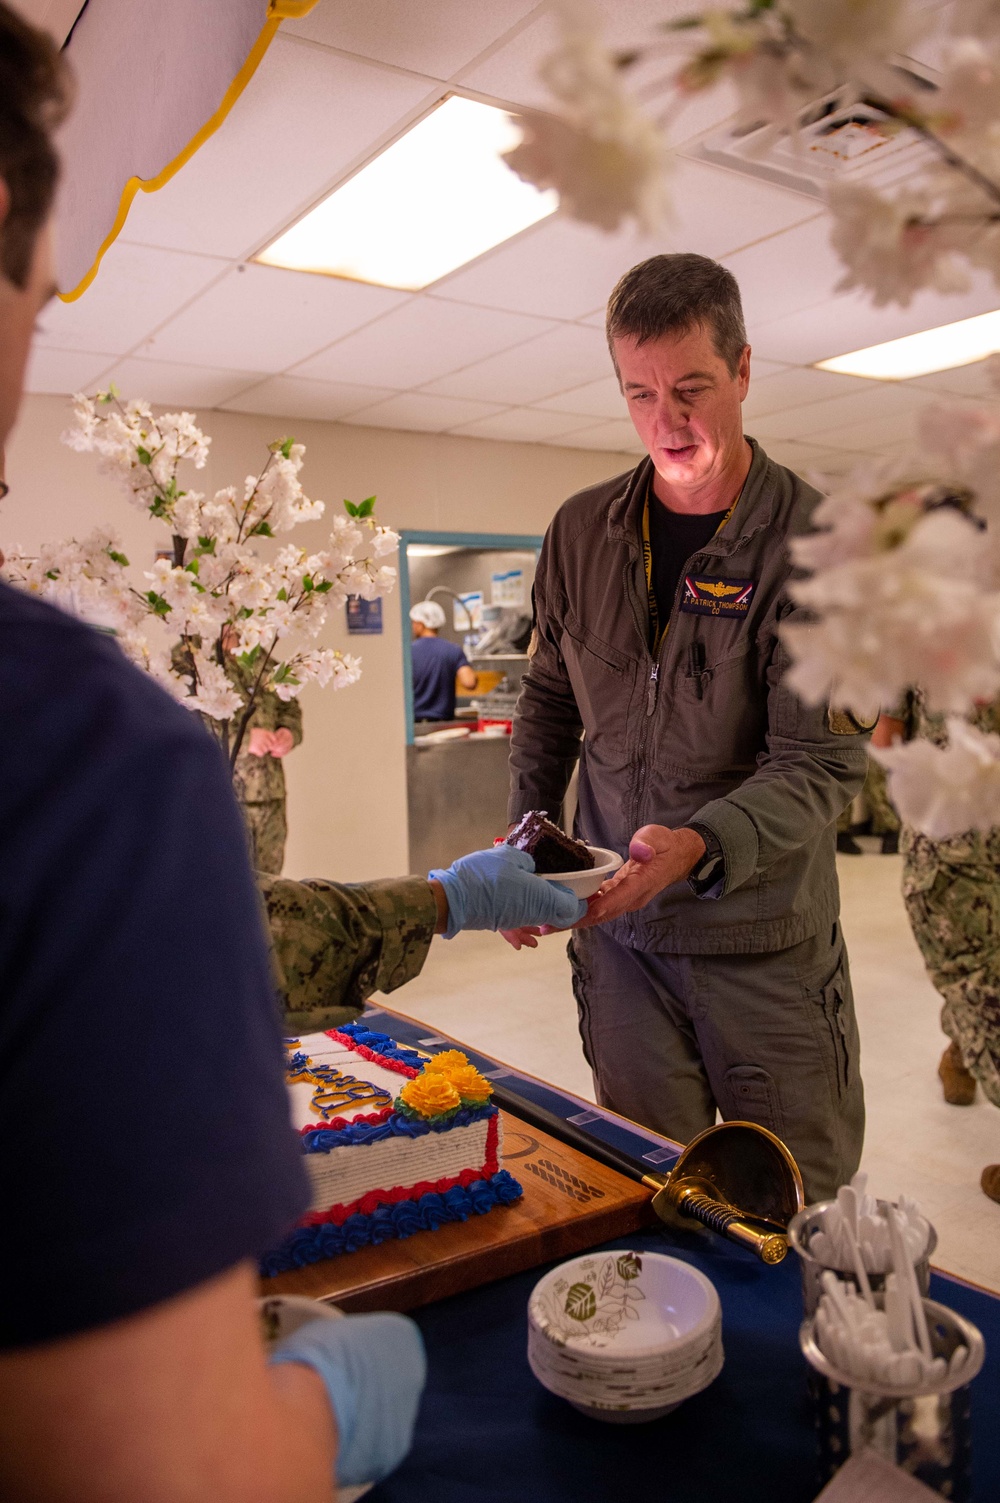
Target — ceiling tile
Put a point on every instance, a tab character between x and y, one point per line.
166	383
565	269
564	358
597	399
429	414
289	396
796	388
976	380
811	459
305	118
850	322
523	425
619	437
63	371
874	434
435	37
878	401
134	291
259	316
794	269
424	339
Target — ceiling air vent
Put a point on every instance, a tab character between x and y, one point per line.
850	143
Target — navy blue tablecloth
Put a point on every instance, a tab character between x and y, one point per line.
489	1433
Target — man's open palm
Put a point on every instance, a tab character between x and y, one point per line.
658	857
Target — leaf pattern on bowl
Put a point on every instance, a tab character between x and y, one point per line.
596	1307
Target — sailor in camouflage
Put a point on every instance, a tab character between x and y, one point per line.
259	777
335	944
952	894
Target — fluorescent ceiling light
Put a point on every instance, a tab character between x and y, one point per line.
436	198
919	354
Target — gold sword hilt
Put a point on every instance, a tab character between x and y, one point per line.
691	1197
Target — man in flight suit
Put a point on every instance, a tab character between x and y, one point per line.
717	978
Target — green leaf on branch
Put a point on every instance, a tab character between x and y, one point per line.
192	567
249	658
144	455
262	530
158	508
321	589
286	448
367	507
282	593
52	574
245	614
350	508
307	583
117	558
160	606
206	545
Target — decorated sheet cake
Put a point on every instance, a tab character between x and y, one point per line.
393	1143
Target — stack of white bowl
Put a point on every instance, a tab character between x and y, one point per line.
625	1336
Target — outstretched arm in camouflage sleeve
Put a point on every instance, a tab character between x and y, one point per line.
334	945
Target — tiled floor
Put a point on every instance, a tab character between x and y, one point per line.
519	1007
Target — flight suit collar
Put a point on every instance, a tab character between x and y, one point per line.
754	509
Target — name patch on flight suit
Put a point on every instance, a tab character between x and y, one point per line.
717	597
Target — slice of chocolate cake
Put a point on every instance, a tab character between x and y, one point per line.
552	850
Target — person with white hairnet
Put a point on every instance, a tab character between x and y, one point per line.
436	665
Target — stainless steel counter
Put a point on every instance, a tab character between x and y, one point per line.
457	798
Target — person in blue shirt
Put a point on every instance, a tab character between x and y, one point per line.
436	665
148	1158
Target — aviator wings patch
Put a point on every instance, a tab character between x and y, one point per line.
717	597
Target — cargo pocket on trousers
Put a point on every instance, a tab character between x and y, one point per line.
578	977
831	999
752	1096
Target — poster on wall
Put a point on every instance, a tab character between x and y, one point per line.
507	588
364	617
467	611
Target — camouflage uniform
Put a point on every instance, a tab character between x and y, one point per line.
882	816
952	893
259	782
335	944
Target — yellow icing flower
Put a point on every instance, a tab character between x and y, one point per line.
451	1059
473	1088
430	1095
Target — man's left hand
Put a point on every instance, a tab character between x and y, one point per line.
282	742
658	857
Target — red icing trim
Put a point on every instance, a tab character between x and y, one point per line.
372	1199
491	1165
337	1124
366	1053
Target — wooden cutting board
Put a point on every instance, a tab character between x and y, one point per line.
570	1203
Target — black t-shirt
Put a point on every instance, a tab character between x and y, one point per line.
673	537
145	1142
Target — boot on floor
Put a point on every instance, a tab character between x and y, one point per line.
959	1084
991	1181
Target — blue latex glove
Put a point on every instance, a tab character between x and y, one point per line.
374	1369
497	889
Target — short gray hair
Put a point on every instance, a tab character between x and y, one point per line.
671	294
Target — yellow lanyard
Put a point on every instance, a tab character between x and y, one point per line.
647	563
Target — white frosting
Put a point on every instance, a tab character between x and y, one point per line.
326	1051
343	1175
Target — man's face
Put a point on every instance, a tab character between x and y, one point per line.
19	308
685	404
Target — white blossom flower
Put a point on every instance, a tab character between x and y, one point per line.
893	247
945	791
922	613
602	154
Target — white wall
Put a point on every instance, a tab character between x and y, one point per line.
347	782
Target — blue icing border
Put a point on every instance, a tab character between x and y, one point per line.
322	1139
312	1244
382	1044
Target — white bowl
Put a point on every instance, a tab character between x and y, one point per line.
625	1336
585	884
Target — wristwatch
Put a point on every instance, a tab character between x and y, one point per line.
707	879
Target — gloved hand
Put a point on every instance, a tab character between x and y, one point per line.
497	889
374	1368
